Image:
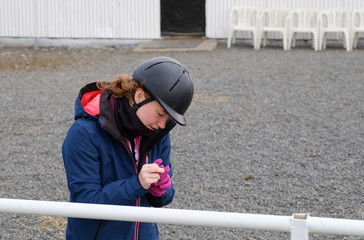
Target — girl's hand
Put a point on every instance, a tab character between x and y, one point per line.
150	173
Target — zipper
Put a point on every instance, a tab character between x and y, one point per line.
98	229
136	232
136	229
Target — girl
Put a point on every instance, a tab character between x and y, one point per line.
118	149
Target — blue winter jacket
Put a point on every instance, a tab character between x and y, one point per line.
101	169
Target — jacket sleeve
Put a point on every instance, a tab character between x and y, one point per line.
82	163
167	197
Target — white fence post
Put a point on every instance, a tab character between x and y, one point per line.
299	226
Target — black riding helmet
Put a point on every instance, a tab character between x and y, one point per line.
169	83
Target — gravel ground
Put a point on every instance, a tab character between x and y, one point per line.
269	132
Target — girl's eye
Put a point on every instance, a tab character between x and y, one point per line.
160	114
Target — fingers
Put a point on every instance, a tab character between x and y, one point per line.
166	170
158	161
156	174
153	168
165	186
163	180
150	173
158	190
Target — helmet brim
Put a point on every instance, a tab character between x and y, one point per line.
178	118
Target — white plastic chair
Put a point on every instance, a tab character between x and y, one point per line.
334	21
357	26
303	21
274	20
243	19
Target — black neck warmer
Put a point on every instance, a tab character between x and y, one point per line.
127	120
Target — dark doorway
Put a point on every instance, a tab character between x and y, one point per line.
183	17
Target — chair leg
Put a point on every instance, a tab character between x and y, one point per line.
285	41
324	42
265	39
345	44
289	40
294	40
252	37
229	39
258	40
355	39
315	42
320	36
234	37
348	47
255	40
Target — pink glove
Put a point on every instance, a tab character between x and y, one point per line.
157	189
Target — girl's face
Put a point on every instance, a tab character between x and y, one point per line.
151	114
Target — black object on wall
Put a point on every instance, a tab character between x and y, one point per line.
183	17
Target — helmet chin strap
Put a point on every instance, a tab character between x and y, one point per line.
136	106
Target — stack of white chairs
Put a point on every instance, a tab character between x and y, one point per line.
303	21
298	21
334	21
274	20
243	19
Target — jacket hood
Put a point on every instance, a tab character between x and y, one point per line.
87	102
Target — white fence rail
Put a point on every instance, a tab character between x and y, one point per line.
299	225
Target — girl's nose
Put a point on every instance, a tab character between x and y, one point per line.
162	122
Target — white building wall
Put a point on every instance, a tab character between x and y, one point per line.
121	19
124	19
217	11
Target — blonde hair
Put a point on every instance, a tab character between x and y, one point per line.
122	86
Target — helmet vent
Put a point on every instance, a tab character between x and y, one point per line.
174	85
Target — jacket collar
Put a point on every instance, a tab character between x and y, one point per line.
107	120
109	124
